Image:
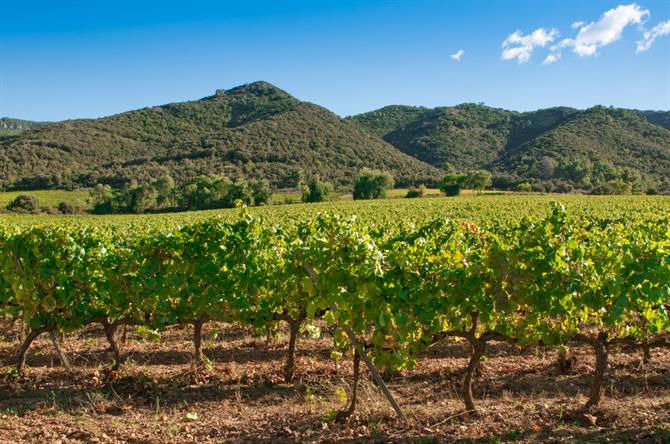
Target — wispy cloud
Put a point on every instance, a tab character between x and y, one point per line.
552	58
648	38
605	31
520	47
457	55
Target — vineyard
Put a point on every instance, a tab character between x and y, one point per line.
480	209
383	290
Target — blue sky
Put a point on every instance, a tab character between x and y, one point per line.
61	60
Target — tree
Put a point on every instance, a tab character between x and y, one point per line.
547	167
140	198
372	184
294	178
451	184
164	186
204	192
102	199
477	180
260	191
316	190
239	190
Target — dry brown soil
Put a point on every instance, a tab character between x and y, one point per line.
157	397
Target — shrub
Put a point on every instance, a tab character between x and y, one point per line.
524	187
617	186
563	187
24	203
414	193
66	208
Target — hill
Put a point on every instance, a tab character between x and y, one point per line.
252	131
661	118
10	127
554	149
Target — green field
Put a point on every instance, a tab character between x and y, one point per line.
477	208
49	198
79	198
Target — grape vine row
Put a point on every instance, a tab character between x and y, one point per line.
389	290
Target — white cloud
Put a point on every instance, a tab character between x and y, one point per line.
576	25
457	55
605	31
648	38
552	58
520	47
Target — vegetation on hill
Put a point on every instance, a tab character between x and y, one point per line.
593	148
259	132
661	118
254	131
10	127
556	149
464	137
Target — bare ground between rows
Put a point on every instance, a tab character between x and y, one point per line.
157	397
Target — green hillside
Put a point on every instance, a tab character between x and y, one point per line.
253	131
556	149
10	127
259	131
661	118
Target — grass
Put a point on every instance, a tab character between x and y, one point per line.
49	198
396	193
79	198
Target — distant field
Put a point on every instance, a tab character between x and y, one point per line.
79	198
49	198
484	209
286	198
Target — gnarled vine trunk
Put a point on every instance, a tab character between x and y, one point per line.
565	363
111	332
22	328
344	414
600	348
198	356
646	352
478	350
124	335
294	329
56	341
23	350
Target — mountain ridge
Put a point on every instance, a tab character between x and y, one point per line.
534	146
260	131
255	131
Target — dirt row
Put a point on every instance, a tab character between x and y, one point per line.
158	396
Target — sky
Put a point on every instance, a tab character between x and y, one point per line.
84	59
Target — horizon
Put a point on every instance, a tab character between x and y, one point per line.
63	62
342	116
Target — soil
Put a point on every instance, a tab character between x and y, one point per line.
158	396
